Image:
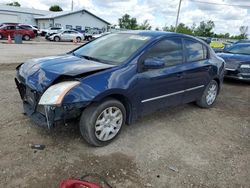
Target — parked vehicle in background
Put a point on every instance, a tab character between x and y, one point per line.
237	58
242	41
99	35
226	46
30	27
12	30
50	30
118	78
67	35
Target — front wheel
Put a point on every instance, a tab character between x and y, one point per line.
78	39
57	39
209	95
100	123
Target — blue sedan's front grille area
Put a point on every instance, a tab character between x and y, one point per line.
244	70
232	64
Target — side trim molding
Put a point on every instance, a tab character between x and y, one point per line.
171	94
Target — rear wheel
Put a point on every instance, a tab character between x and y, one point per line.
100	123
57	39
26	37
209	95
78	39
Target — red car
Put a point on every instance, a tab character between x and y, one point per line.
6	30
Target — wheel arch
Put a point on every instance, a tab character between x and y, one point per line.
125	101
218	82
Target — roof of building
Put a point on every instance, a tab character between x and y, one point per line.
65	13
23	10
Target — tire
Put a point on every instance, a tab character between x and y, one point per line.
26	37
110	110
78	39
209	95
56	38
1	36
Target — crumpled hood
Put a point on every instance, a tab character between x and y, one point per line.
42	72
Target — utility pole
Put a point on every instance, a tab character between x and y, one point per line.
177	17
72	5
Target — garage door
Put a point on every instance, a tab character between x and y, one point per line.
8	18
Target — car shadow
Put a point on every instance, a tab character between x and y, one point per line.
235	82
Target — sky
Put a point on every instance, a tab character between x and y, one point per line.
160	13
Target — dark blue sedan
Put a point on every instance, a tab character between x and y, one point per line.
118	78
237	58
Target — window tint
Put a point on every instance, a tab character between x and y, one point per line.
168	50
195	51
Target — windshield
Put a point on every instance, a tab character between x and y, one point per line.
239	49
112	48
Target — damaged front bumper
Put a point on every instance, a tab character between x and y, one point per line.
46	115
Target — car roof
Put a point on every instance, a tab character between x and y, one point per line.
156	34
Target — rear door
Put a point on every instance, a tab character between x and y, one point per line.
197	69
162	87
73	35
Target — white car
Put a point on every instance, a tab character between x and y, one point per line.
50	30
99	35
67	35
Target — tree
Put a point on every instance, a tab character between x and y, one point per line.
126	22
145	26
55	8
14	3
243	32
205	29
181	28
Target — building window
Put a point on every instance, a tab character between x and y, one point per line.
68	26
78	28
50	25
57	25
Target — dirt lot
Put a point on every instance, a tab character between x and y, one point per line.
184	146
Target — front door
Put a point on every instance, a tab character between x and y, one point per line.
162	87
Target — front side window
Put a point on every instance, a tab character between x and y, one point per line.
240	49
10	27
195	51
169	50
113	48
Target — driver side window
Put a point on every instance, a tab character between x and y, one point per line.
168	50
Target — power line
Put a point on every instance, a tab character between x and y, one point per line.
243	6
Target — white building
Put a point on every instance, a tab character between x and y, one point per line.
12	14
80	19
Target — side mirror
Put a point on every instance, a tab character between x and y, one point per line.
153	63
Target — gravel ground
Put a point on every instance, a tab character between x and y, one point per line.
184	146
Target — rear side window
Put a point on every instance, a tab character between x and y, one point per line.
11	27
195	51
168	50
